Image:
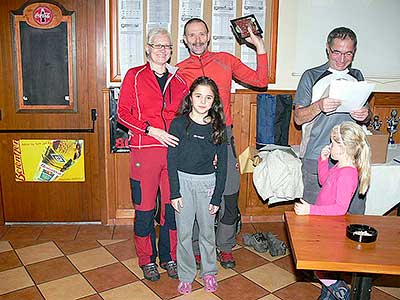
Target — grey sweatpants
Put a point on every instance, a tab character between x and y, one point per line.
196	191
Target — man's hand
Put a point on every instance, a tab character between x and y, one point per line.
212	209
325	152
257	41
163	137
327	104
177	203
360	114
302	208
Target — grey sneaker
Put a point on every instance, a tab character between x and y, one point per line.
171	268
150	272
256	240
276	246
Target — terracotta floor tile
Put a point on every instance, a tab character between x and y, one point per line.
287	264
109	277
71	247
37	253
270	297
132	291
17	244
239	288
385	293
91	259
109	242
9	260
123	232
51	269
270	277
14	279
133	265
30	293
30	232
67	288
199	294
3	230
246	260
92	297
95	232
5	246
299	291
166	287
123	250
59	232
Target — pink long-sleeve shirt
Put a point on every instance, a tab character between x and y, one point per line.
338	188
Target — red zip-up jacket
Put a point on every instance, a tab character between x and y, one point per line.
222	67
141	103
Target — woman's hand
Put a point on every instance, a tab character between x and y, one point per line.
177	203
325	152
212	209
302	208
163	137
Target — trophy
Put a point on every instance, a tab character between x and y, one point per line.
375	124
392	125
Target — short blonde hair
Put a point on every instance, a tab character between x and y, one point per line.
156	31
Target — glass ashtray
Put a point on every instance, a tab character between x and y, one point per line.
361	233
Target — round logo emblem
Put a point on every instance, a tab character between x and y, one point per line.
43	15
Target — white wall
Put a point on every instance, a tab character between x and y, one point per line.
286	52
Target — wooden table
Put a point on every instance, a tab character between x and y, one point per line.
320	243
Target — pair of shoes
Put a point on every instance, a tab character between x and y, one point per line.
257	241
198	261
184	288
339	290
150	272
276	247
171	268
226	260
210	283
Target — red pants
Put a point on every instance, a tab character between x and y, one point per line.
148	172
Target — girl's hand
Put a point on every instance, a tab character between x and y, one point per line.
302	208
325	152
163	137
212	209
177	203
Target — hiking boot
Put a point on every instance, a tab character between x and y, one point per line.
276	246
171	269
210	283
184	288
257	241
339	290
198	261
150	272
226	260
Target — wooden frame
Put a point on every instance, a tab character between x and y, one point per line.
46	16
270	37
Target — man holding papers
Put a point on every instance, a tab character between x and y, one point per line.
318	112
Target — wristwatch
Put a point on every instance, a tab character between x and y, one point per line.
146	130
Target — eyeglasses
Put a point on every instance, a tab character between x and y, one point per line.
337	53
159	46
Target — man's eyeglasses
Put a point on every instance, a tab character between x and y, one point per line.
159	46
337	53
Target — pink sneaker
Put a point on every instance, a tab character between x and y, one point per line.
184	287
210	283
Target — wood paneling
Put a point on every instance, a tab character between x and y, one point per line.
29	201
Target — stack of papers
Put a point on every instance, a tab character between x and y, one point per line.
353	94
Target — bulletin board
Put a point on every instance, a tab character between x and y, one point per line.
209	8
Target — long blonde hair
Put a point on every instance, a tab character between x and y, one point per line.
352	136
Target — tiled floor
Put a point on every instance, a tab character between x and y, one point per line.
99	262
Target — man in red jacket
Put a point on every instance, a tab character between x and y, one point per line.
222	67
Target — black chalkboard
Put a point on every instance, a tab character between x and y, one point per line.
44	54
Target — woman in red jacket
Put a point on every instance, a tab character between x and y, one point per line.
149	98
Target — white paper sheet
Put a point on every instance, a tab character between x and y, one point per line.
353	95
